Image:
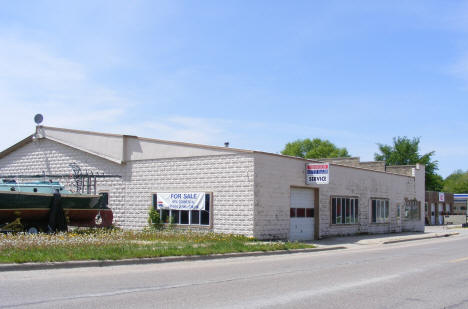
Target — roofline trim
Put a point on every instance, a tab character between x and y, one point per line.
16	146
150	139
84	150
333	164
29	138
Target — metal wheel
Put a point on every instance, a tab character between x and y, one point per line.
32	230
98	219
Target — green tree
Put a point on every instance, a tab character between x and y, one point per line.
456	182
316	148
405	151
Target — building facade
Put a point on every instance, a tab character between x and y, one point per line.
252	193
460	203
438	205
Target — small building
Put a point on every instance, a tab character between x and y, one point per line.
253	193
438	205
460	203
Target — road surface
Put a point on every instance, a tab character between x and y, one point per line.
419	274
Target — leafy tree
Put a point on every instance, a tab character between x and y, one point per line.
316	148
456	182
405	151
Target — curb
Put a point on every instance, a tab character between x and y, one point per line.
156	260
419	238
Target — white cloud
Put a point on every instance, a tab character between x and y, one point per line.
186	129
33	79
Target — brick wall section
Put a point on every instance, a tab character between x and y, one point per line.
229	177
54	158
401	169
373	165
351	161
275	175
251	192
355	162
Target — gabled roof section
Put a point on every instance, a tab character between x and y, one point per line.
122	148
20	144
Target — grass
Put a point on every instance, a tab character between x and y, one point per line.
94	244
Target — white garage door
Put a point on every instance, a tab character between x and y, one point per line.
302	214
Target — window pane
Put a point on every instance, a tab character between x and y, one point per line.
300	212
155	200
379	212
176	216
374	211
292	212
333	211
205	218
387	210
309	212
352	210
184	217
348	211
195	217
165	215
207	202
338	211
356	208
343	211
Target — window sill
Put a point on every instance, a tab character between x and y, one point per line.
344	225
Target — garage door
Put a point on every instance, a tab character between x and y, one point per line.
302	214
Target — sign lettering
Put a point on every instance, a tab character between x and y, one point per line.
181	201
317	173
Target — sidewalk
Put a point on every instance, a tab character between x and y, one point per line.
332	243
381	239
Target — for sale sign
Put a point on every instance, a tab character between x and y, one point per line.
181	201
317	173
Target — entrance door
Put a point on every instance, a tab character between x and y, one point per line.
441	218
302	214
432	214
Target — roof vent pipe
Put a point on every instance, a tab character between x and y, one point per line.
226	144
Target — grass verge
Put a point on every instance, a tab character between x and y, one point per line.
118	244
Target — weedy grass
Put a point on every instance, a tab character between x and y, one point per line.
99	244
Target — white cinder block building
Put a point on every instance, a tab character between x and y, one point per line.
253	193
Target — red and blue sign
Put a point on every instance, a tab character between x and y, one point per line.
317	173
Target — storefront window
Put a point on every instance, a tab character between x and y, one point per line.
380	210
185	217
344	210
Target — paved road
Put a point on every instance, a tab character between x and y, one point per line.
418	274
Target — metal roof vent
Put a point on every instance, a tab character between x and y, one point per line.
226	144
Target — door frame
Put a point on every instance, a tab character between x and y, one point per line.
316	209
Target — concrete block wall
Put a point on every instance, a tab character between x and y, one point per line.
54	158
275	175
347	161
401	169
229	177
373	165
356	162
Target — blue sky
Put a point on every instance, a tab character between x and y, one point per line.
256	73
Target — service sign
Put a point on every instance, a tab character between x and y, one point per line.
181	201
317	173
441	197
